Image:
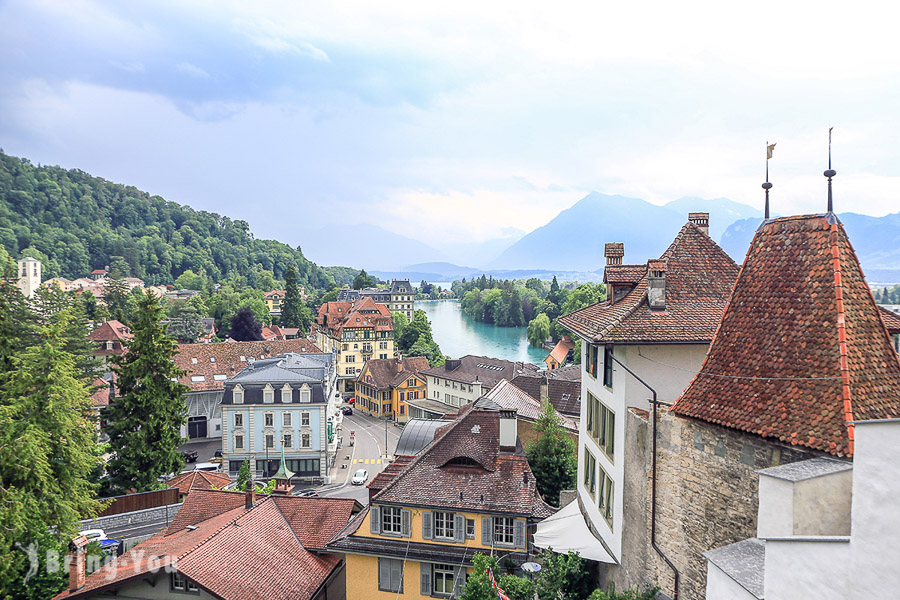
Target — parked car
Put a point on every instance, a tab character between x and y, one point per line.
190	456
347	410
216	460
360	477
307	494
208	466
217	454
352	400
107	545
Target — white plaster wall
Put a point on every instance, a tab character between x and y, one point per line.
809	569
720	586
161	590
776	508
822	505
875	546
668	368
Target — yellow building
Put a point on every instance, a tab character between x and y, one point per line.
358	331
471	490
385	384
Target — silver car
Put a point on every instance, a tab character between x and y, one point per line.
360	477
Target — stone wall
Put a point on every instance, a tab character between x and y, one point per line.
706	498
129	520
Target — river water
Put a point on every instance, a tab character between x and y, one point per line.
458	334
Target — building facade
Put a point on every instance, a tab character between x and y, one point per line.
398	297
29	276
385	385
471	490
280	403
356	332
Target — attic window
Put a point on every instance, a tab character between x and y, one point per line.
463	461
191	527
220	377
212	359
198	378
243	359
193	361
565	397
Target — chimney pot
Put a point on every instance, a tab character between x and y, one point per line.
614	253
508	430
656	284
250	494
701	220
76	563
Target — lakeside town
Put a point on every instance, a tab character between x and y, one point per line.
718	431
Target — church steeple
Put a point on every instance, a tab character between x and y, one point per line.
283	475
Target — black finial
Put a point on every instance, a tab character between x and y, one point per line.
830	173
768	186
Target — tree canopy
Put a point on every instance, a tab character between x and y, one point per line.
552	456
363	280
245	327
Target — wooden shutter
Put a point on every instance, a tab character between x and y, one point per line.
375	519
405	522
425	579
459	576
459	528
384	574
427	528
487	531
519	533
397	576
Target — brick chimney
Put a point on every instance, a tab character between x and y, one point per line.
76	563
545	388
656	284
399	363
614	253
508	430
250	494
701	220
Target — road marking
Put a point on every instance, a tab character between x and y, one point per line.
367	461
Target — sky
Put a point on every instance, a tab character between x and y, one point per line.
455	122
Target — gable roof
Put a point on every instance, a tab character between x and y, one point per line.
561	350
506	396
220	361
273	538
698	281
110	331
488	371
384	370
364	312
565	394
802	350
198	480
504	485
891	320
100	395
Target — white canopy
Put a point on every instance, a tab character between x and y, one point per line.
566	531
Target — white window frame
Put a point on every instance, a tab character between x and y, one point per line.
269	419
503	527
287	440
237	395
286	392
239	441
305	440
443	525
268	394
304	419
238	419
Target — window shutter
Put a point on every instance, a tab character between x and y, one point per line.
427	529
384	574
487	534
459	528
405	520
397	576
459	576
425	579
375	519
519	533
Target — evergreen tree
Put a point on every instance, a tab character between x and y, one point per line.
145	419
186	324
554	285
294	311
552	456
244	475
118	299
46	442
245	327
52	305
15	318
363	280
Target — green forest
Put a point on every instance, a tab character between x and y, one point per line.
74	222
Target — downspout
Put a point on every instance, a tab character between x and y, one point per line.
654	403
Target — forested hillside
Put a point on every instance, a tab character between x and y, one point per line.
75	222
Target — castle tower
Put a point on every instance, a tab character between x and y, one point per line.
29	276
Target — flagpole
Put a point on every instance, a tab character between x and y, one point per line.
767	186
830	173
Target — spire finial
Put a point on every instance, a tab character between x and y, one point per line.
830	173
767	186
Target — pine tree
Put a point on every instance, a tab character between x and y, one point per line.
15	318
145	419
363	280
52	305
552	456
46	443
118	299
294	311
244	475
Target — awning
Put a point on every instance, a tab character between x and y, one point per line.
566	531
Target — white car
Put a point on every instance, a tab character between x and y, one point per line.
99	536
360	477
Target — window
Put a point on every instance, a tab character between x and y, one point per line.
402	409
270	440
605	497
238	419
238	442
304	419
390	575
470	529
235	465
285	419
304	395
504	533
288	440
181	583
304	467
443	525
304	440
590	472
443	575
402	396
269	420
238	395
198	378
351	358
591	364
601	425
607	367
286	393
390	520
268	394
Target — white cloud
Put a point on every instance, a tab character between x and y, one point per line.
192	71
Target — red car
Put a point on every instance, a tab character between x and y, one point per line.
351	401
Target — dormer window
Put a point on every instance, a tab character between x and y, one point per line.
268	394
237	395
286	392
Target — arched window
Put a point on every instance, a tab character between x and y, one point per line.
238	394
286	393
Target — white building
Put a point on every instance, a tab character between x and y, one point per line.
29	276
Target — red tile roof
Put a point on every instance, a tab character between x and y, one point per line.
624	273
384	371
509	397
699	279
100	397
198	480
561	350
223	359
110	331
802	350
333	317
235	553
891	320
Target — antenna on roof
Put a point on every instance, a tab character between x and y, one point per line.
768	186
830	173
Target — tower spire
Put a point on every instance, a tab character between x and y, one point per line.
830	173
768	186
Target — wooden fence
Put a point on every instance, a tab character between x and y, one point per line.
144	500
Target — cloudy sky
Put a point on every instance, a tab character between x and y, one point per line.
451	122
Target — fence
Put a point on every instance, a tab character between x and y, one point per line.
142	501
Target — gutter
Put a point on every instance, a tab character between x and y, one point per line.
654	403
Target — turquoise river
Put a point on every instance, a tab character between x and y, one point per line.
458	334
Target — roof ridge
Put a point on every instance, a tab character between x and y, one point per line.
222	528
286	522
844	365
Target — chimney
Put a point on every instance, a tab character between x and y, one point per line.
545	387
76	563
614	252
508	431
399	363
250	494
656	284
701	220
452	364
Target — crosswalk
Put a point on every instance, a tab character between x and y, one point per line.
367	461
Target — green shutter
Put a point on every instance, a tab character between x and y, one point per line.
425	579
487	534
405	520
375	519
427	528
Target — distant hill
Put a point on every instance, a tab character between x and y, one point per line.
876	241
370	247
74	222
723	212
